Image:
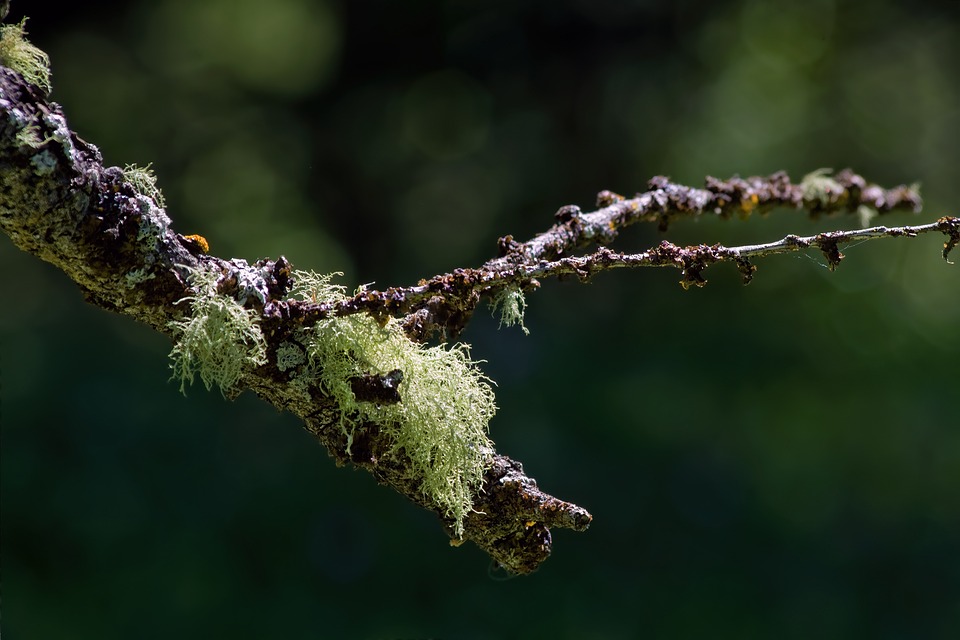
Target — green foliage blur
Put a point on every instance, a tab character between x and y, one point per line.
774	461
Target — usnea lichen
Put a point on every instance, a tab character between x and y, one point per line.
18	54
440	424
512	305
144	180
218	341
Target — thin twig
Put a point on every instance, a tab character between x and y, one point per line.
693	260
445	303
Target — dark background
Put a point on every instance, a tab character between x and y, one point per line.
780	460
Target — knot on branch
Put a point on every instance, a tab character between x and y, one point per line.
951	227
827	243
606	198
509	248
744	196
382	389
512	518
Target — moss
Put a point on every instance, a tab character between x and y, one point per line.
440	424
218	341
18	54
512	305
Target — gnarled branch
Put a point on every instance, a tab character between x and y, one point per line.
110	234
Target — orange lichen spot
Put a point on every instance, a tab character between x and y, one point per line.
200	241
749	204
456	542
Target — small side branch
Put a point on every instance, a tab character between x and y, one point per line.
694	259
445	303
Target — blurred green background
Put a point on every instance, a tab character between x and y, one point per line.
780	460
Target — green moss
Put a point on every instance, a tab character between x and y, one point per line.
18	54
440	424
218	341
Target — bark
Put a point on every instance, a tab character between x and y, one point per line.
58	202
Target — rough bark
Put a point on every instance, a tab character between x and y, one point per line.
58	202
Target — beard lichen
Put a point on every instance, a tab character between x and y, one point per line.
439	426
18	54
440	423
512	305
219	340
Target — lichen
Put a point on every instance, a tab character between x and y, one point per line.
818	187
18	54
219	339
440	424
289	356
512	305
144	180
44	163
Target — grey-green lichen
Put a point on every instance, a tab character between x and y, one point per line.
290	356
18	54
439	427
144	180
512	305
818	186
218	341
440	424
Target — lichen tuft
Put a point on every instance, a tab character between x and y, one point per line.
218	340
512	305
440	424
18	54
144	180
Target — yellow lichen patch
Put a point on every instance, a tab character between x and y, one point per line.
748	204
200	241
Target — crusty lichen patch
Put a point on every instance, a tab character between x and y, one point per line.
440	424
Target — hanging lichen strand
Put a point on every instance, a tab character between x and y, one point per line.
439	423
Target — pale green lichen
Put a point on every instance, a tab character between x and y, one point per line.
218	341
136	277
440	424
512	306
289	356
144	180
18	54
44	162
866	215
29	136
818	186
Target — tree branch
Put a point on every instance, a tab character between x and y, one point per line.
107	230
445	303
103	229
